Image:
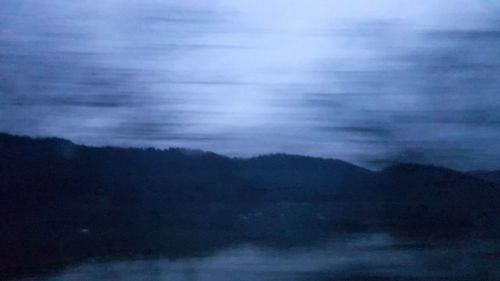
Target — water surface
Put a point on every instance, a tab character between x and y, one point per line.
357	257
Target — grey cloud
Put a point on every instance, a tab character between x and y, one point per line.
440	102
166	73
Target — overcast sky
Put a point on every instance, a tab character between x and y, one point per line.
370	82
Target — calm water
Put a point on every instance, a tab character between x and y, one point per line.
360	257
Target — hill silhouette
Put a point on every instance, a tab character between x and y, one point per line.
66	202
491	176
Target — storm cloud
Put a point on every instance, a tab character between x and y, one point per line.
371	83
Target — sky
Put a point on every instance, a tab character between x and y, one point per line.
370	82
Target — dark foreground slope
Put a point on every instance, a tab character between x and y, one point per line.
62	202
491	176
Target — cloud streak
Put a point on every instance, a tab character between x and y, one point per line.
374	84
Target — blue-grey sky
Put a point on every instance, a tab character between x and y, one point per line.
370	82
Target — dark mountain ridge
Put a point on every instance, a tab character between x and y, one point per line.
69	202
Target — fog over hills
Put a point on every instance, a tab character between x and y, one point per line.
312	140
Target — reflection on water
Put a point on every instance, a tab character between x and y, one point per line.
367	257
